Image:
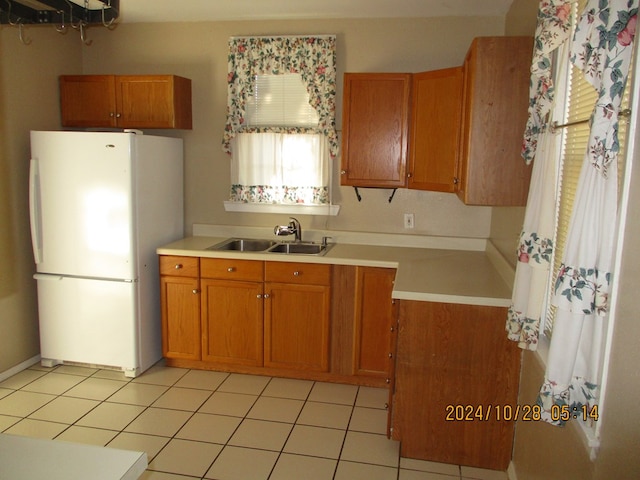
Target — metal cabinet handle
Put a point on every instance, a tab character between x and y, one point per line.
231	269
178	266
266	295
391	355
343	172
296	274
259	296
195	291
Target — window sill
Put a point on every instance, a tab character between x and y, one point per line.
331	210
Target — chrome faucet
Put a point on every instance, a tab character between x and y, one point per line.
293	228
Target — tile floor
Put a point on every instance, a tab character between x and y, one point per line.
210	425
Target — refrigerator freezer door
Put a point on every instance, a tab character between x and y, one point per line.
87	321
81	202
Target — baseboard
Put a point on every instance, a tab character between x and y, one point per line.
511	471
18	368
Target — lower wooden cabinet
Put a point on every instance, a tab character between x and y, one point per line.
456	372
245	314
373	321
180	307
297	314
232	325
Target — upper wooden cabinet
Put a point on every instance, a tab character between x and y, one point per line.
436	101
375	127
494	113
125	101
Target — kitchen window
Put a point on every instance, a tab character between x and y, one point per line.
280	129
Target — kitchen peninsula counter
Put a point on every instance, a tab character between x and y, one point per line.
472	277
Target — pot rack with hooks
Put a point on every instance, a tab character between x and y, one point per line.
62	14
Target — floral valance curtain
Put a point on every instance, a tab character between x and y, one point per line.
602	51
313	57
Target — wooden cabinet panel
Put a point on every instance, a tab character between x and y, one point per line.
375	127
125	101
180	316
232	269
373	320
88	101
153	101
232	327
179	266
298	273
436	106
297	326
449	355
495	102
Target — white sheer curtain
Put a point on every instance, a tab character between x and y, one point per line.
280	168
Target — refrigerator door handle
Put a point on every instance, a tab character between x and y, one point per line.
35	213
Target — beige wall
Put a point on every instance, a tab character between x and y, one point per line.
199	51
28	100
542	451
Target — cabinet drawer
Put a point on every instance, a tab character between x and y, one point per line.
177	266
302	273
232	269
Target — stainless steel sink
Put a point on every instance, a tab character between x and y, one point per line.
243	245
270	246
300	248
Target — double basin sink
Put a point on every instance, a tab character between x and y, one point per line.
270	246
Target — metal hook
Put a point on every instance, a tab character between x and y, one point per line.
62	28
82	34
13	24
109	25
77	27
25	41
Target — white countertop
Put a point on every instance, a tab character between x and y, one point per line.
424	274
24	458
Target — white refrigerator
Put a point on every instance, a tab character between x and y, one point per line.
100	205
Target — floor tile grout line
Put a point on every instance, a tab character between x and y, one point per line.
174	384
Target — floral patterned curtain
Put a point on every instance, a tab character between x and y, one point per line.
535	247
602	50
554	27
313	57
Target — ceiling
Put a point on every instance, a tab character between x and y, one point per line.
137	11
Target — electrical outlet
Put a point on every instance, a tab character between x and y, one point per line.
409	220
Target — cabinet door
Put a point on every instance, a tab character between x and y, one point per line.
495	103
180	303
373	320
153	101
232	322
297	326
375	127
435	127
453	363
88	101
